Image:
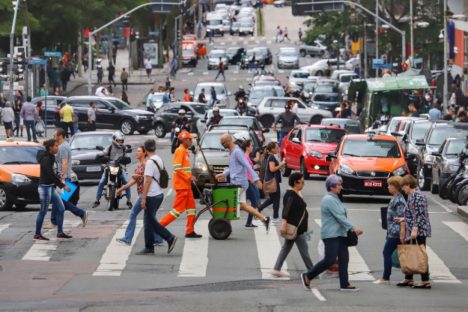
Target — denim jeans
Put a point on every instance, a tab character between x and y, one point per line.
152	225
391	244
68	206
47	195
253	195
273	198
130	231
334	247
31	126
281	137
103	182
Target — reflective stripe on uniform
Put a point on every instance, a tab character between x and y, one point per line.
191	211
175	213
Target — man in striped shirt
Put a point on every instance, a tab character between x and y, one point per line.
182	184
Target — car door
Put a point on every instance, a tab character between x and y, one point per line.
192	117
287	148
277	106
295	149
107	116
303	112
80	108
170	115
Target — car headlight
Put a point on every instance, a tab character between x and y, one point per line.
345	170
19	179
75	162
400	171
315	154
452	167
200	164
429	158
114	170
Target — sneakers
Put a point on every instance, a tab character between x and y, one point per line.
129	204
350	288
250	226
381	281
123	241
84	218
305	281
158	244
277	273
266	222
193	235
40	237
276	221
145	251
63	235
171	244
96	204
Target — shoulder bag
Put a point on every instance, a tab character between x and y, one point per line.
269	186
290	233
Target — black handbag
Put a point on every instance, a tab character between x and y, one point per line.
383	217
352	238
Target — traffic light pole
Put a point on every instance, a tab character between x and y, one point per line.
91	34
12	48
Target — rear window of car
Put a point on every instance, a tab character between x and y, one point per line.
420	130
239	121
324	135
371	148
19	154
89	142
326	97
439	134
455	147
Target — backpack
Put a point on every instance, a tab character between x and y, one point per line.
163	176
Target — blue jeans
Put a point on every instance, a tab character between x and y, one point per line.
68	206
253	195
281	137
103	182
130	231
334	247
152	225
390	246
47	195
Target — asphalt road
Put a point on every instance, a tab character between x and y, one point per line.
93	273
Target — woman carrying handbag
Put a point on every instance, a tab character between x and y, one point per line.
294	225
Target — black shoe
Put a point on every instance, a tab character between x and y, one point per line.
305	281
171	244
96	204
266	222
129	204
250	226
63	235
145	251
40	237
193	235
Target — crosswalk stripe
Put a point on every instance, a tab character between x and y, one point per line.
114	259
357	267
268	248
3	227
460	227
43	250
195	255
439	272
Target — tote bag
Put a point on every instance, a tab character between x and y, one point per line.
413	258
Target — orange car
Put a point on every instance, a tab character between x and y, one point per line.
19	174
364	162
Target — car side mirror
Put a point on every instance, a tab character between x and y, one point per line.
112	110
128	148
437	154
99	147
330	156
296	140
420	142
265	130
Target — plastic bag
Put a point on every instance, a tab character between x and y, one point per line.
40	126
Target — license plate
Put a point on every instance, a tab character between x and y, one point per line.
93	169
372	183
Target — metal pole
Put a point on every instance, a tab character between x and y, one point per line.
90	56
46	93
403	46
411	33
12	45
445	89
365	50
376	35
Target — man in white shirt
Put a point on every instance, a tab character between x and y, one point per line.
151	200
148	66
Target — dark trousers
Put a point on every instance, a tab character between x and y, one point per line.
253	195
31	126
66	126
92	126
391	244
420	240
151	224
334	247
220	73
273	198
125	84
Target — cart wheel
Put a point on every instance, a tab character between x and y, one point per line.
219	229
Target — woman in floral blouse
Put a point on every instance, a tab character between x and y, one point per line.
418	226
395	212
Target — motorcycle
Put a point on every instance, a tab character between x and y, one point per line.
458	185
241	107
175	134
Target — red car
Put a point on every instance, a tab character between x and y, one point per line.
306	148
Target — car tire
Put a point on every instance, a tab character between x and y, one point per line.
5	203
220	229
316	120
422	181
445	187
462	195
127	127
304	170
303	53
159	130
319	73
267	121
143	132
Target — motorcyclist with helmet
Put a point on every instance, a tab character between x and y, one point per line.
240	96
112	153
215	119
182	122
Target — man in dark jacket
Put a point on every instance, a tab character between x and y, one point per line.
288	120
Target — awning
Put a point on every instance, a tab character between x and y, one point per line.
397	83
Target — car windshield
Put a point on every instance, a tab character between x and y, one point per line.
347	78
120	104
19	154
200	109
215	22
265	92
300	75
232	51
288	53
371	148
239	121
217	54
211	141
439	134
420	130
246	25
187	52
325	89
89	142
308	87
326	98
455	147
324	135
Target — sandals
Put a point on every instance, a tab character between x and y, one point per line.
406	283
424	285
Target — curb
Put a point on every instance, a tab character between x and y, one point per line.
463	211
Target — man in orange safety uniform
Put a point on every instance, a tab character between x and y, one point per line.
182	184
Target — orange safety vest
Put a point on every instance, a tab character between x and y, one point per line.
182	170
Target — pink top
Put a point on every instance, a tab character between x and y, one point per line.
249	176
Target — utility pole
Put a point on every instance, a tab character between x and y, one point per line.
12	47
411	34
365	50
377	35
445	89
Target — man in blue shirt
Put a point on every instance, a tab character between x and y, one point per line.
435	112
237	171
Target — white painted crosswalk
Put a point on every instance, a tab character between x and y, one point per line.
461	228
195	255
3	227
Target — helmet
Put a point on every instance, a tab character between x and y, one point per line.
241	88
216	109
184	135
240	137
181	111
118	138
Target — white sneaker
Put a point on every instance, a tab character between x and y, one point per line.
277	273
276	221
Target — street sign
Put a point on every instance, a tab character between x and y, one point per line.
377	62
36	61
53	54
151	49
299	8
159	7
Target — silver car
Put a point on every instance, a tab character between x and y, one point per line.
214	58
246	28
270	108
288	58
315	49
222	94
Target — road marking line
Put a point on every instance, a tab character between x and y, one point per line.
440	204
318	295
268	248
43	250
114	259
357	267
460	227
205	73
268	42
169	192
439	272
190	74
4	227
195	255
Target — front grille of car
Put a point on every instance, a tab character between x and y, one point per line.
218	169
372	174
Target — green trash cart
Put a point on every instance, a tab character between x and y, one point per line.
222	202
